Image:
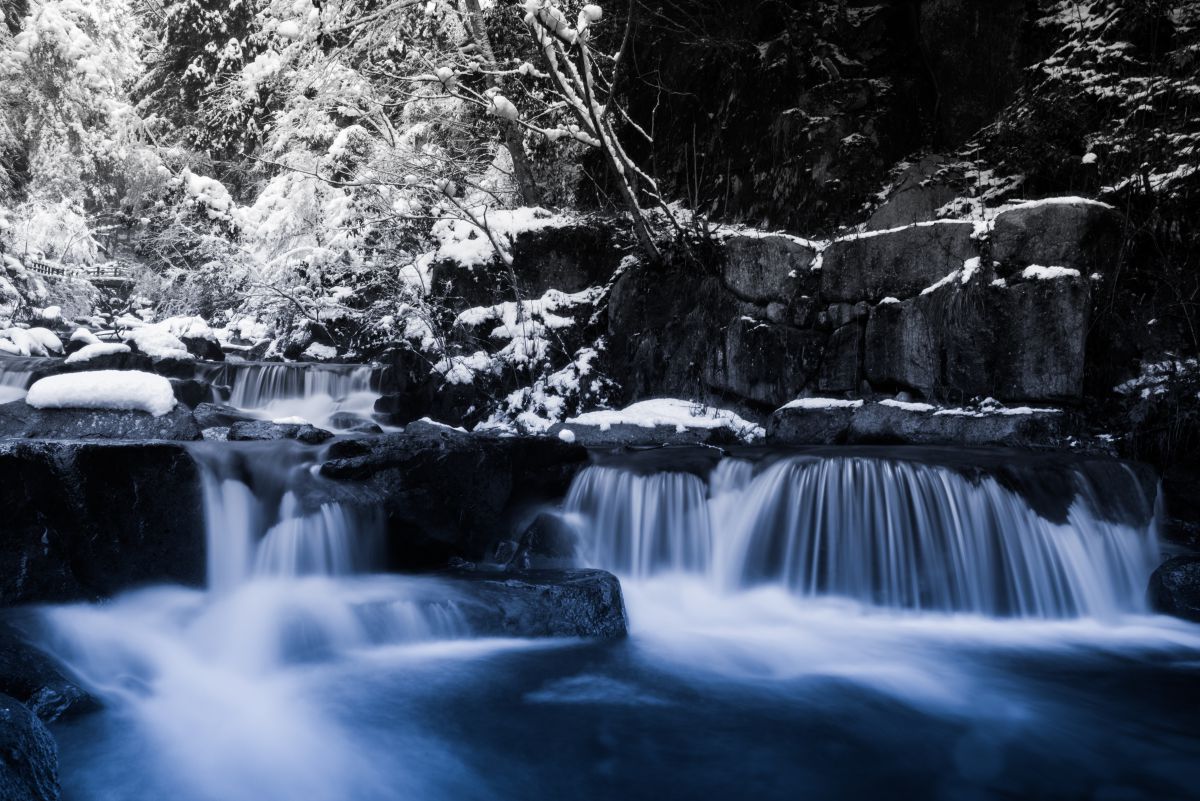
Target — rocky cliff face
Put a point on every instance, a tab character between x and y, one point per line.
944	310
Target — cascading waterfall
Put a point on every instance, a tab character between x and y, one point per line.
15	376
896	534
314	392
257	525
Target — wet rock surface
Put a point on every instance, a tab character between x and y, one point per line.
28	755
449	494
20	420
86	520
260	430
35	679
1175	587
542	603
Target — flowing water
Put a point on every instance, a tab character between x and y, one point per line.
825	626
311	392
16	374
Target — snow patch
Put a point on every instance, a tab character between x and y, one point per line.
1039	273
811	404
681	414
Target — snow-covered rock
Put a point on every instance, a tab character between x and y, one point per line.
657	420
104	389
97	349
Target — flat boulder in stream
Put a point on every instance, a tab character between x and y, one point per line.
543	603
19	420
261	430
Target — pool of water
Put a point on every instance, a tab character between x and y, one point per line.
753	694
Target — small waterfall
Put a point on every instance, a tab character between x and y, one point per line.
312	391
896	534
257	524
16	374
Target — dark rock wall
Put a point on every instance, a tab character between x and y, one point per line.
937	309
86	520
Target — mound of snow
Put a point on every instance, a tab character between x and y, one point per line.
158	343
47	339
104	389
85	336
89	352
681	414
30	342
1036	272
462	242
809	404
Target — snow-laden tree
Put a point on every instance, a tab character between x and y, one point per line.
202	46
75	145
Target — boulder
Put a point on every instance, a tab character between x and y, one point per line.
192	392
203	346
877	423
896	263
1061	232
175	368
217	415
762	269
1175	587
826	425
28	755
1015	343
113	361
30	676
20	420
84	520
257	430
1041	339
348	421
542	603
549	541
448	494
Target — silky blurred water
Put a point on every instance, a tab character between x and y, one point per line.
300	677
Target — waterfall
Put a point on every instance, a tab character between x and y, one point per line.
890	533
16	374
258	525
312	391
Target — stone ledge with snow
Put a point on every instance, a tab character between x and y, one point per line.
660	421
827	421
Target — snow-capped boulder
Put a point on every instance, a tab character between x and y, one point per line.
898	263
1058	232
765	268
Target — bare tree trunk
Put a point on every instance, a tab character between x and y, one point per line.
514	136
